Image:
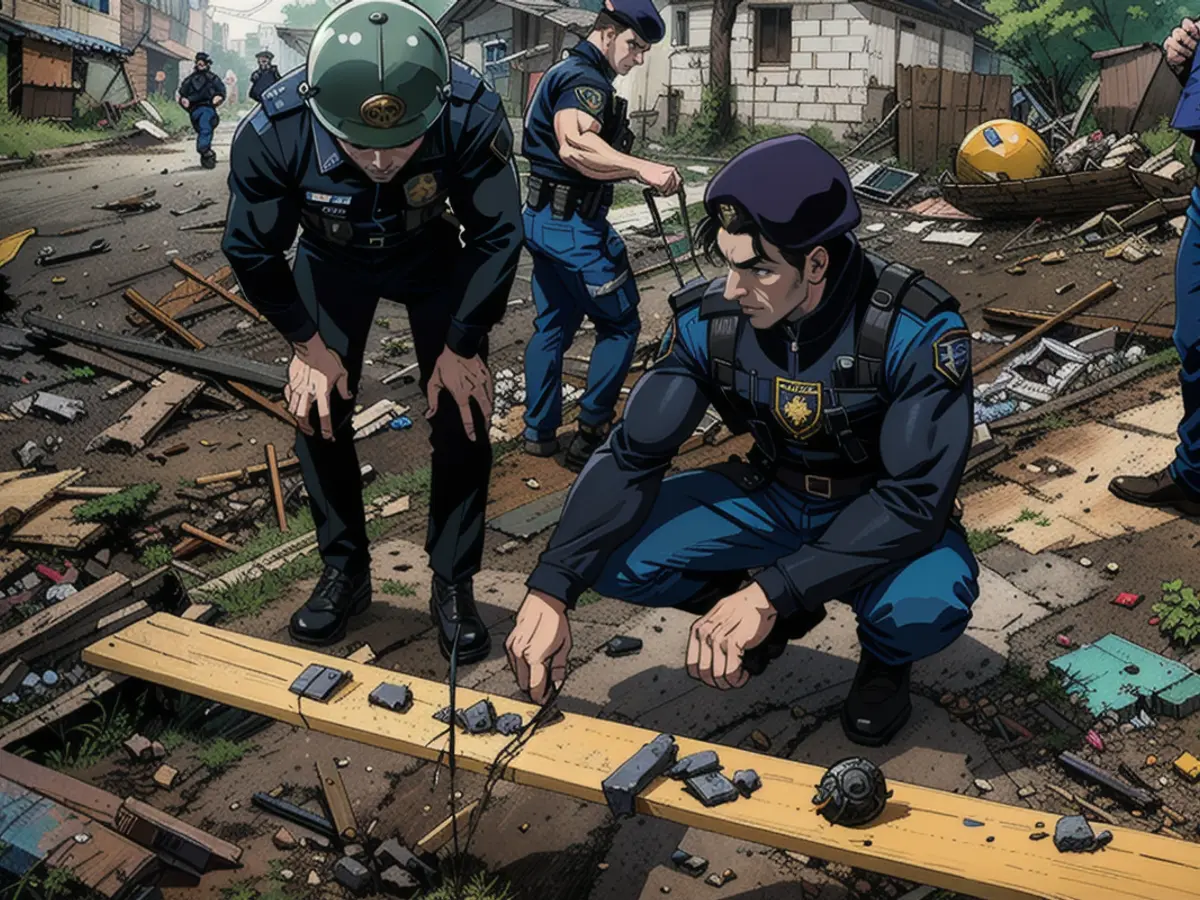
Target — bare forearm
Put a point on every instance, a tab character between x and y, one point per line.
592	156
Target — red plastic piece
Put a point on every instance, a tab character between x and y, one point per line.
1063	640
1129	601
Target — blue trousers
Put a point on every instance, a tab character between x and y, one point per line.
204	121
1186	467
580	268
703	524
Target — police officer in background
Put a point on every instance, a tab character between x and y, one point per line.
264	76
1177	485
577	140
362	149
853	376
200	94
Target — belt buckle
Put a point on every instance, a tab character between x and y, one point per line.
375	240
818	486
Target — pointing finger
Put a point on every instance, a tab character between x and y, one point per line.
468	420
432	395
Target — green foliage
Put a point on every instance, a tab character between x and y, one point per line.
247	597
304	15
119	508
243	890
1053	421
481	887
1163	136
176	119
62	883
221	753
985	539
80	373
397	589
155	555
1030	515
587	597
1179	612
89	742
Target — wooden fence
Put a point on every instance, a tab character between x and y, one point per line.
938	107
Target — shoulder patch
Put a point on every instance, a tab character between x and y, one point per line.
591	98
502	143
666	344
284	95
952	355
466	83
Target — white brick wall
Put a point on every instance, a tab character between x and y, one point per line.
848	113
819	11
806	28
761	93
762	111
831	27
815	112
801	62
772	76
851	44
833	95
796	94
833	60
815	77
816	44
848	78
846	11
781	112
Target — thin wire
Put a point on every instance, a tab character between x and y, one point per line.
453	757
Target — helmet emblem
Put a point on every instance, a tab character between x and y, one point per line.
727	213
382	111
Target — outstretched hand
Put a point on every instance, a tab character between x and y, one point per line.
720	638
464	378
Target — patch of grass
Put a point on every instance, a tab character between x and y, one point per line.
80	373
243	890
155	555
587	597
220	754
397	589
172	739
176	119
121	507
1179	612
1053	421
89	742
980	540
480	887
1031	515
247	596
1168	357
1163	136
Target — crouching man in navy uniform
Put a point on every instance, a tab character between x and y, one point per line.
852	375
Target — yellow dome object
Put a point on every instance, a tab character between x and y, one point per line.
1002	147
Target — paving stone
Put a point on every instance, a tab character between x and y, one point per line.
1048	577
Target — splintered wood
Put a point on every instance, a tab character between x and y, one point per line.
142	421
919	837
22	492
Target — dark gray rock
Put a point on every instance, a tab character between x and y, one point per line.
746	781
444	715
509	724
399	883
352	875
1073	834
393	853
712	789
477	719
695	764
622	645
396	697
635	774
28	454
692	865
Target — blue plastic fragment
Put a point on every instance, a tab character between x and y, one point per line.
401	422
971	823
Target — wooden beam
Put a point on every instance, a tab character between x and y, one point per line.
276	487
80	796
919	837
190	529
155	828
337	801
54	625
1022	318
443	833
1107	289
139	424
59	708
240	474
274	407
217	289
22	495
150	311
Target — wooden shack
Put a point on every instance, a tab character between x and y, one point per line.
1136	89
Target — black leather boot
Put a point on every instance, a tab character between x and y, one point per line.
454	603
543	449
878	704
583	445
1159	489
337	597
208	159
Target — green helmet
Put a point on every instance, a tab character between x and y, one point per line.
378	73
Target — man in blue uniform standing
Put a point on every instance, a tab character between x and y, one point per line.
1177	485
361	150
264	76
853	376
200	94
577	140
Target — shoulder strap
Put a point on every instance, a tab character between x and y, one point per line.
876	327
687	295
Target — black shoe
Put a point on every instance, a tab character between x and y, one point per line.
756	659
474	642
878	704
583	445
337	597
542	448
1159	489
208	160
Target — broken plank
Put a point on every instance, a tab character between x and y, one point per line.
85	492
189	529
59	708
187	547
114	363
1023	318
142	421
274	407
241	474
276	487
363	654
78	795
56	526
46	628
217	289
337	801
11	562
174	838
22	496
38	832
1083	804
72	640
919	836
11	676
443	832
152	312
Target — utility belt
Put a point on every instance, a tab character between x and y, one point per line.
758	470
342	233
565	200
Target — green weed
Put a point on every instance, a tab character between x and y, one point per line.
247	596
1030	515
397	589
979	540
80	373
481	887
220	754
587	597
155	555
89	742
119	508
1053	421
1179	612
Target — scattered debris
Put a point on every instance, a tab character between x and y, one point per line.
509	724
1126	599
141	422
760	740
722	879
1188	766
293	813
477	719
746	781
48	256
165	777
635	774
284	840
695	764
443	832
352	875
712	788
59	409
953	238
396	697
623	646
691	865
337	801
1073	834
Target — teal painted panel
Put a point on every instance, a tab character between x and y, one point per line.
1099	672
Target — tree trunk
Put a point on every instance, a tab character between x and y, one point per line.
720	74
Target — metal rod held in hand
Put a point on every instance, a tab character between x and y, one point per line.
687	228
648	193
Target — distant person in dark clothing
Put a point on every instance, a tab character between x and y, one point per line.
200	94
264	76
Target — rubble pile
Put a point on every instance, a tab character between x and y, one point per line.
1109	151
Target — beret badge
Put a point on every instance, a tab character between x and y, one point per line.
726	213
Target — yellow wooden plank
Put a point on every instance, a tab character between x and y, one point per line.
920	837
56	526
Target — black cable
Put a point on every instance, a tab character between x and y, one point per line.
453	757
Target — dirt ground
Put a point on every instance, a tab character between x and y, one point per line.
536	845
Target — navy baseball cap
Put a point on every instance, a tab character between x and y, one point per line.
203	57
640	15
790	189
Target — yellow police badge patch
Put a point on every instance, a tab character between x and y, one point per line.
591	98
798	406
421	189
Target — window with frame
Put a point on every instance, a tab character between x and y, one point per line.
179	31
100	6
772	35
680	36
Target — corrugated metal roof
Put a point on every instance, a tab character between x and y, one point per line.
1121	51
64	36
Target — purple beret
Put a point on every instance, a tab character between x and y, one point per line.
790	189
641	16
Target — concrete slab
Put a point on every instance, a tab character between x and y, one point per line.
533	518
1053	580
1161	417
1023	519
1113	673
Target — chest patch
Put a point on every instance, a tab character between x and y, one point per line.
333	199
421	189
798	405
952	355
592	99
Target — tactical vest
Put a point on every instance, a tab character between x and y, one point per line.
859	377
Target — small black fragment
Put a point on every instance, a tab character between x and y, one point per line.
444	715
990	839
396	697
509	724
712	789
972	823
746	781
622	645
692	865
477	719
1038	836
695	764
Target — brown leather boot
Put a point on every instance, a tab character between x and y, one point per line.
1159	489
